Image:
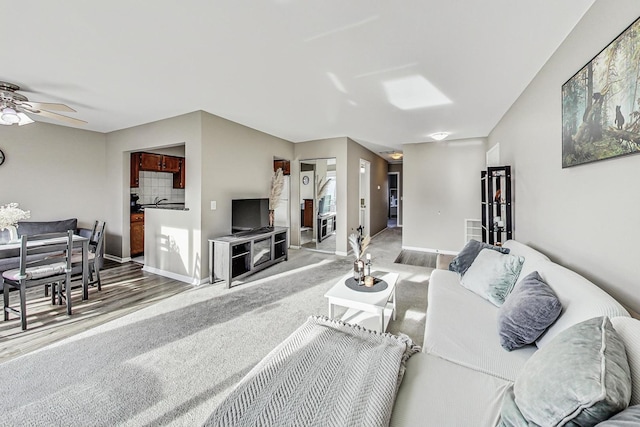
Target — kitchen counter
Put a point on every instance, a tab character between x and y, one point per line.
170	206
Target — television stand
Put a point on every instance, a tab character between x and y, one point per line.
238	255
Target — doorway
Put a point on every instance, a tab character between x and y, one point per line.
365	196
394	214
318	204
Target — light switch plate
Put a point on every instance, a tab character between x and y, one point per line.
213	205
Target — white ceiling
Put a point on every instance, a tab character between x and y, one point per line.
296	69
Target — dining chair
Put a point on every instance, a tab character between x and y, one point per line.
95	256
47	271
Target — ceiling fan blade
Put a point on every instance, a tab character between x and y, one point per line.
48	106
57	116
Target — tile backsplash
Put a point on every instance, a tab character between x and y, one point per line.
157	184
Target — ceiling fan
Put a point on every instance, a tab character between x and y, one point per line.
14	106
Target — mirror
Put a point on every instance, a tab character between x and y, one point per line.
318	204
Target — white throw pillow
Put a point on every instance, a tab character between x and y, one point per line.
493	275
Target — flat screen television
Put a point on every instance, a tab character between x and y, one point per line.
249	214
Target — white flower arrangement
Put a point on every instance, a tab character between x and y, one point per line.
10	214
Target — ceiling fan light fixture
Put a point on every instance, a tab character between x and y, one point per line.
24	119
10	116
439	136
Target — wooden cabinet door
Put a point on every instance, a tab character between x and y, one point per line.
179	177
135	169
308	213
285	165
170	164
150	162
137	236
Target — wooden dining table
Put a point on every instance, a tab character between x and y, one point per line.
8	250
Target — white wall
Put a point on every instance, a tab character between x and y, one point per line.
56	172
441	189
585	217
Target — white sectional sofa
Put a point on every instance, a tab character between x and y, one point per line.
462	375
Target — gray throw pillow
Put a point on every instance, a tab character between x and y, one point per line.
468	254
630	417
580	378
527	312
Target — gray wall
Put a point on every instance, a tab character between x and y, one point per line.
585	217
56	172
379	185
236	163
441	189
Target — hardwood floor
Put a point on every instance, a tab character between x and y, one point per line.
125	289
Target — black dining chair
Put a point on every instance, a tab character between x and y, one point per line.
50	271
96	253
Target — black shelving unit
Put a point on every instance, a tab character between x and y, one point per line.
497	224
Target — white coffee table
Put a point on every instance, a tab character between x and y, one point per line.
372	310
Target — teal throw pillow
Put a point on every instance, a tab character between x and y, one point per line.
492	275
580	378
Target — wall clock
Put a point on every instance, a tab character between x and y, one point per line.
305	179
2	157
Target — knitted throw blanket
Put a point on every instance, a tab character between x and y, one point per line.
327	373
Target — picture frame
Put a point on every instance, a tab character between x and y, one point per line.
601	104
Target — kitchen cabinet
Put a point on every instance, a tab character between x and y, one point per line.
137	234
157	163
151	162
179	177
171	164
135	170
285	165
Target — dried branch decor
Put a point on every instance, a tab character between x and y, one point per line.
358	244
323	187
277	184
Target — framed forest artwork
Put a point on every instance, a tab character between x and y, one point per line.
601	104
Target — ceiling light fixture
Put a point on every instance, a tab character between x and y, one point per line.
396	156
10	116
439	136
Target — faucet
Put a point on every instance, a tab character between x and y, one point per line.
158	200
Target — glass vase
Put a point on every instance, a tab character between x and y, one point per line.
358	271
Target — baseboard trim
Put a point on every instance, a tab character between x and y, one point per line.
294	247
174	276
437	251
117	259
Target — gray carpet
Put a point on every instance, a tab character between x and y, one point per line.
420	259
172	363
